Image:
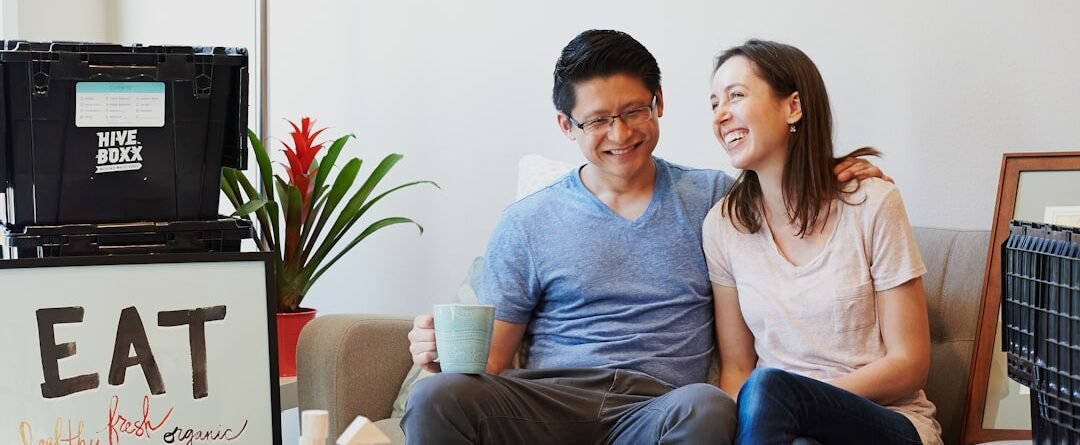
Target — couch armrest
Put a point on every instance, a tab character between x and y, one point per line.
352	364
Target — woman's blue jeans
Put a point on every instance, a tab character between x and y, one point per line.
778	407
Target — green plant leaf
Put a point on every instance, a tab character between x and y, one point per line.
314	167
266	170
229	188
271	231
375	226
322	200
307	232
366	206
248	207
376	199
315	202
292	229
342	184
267	224
266	175
232	189
283	193
246	185
273	214
330	159
279	269
321	175
283	199
350	213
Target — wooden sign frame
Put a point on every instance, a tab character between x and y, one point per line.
204	366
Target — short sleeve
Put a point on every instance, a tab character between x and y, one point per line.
895	258
726	181
509	281
716	256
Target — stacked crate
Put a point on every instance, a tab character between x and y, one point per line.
118	149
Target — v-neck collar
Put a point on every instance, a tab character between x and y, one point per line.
818	258
660	186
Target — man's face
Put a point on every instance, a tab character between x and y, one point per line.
623	150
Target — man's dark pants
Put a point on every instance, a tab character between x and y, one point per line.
565	406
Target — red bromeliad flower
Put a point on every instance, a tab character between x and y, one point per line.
301	155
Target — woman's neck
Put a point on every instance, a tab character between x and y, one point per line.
771	181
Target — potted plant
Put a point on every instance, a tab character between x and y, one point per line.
306	218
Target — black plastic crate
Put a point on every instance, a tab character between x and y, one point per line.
1040	295
1047	432
1018	305
222	235
97	133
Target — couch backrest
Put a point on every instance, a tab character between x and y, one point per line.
955	262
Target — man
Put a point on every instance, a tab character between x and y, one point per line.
604	271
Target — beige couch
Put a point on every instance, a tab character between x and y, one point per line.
355	364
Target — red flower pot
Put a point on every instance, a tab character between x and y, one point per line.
289	325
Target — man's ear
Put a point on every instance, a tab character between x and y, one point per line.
794	108
565	126
659	102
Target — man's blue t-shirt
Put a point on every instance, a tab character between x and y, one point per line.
598	290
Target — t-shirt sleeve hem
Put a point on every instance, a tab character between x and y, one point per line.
721	280
511	317
880	286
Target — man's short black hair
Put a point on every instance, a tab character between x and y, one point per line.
600	53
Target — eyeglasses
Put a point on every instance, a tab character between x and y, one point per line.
601	125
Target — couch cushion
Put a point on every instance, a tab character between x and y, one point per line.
415	375
335	370
466	293
535	172
955	262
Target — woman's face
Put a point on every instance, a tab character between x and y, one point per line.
749	120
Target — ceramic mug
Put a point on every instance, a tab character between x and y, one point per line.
463	336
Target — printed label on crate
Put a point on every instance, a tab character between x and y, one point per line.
118	151
120	104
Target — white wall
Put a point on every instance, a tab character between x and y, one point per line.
463	90
49	20
190	22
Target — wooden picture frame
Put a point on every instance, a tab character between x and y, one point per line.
1012	165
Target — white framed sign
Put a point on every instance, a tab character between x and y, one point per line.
138	349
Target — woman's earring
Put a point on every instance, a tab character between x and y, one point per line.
792	128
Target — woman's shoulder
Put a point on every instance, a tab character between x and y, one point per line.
716	214
874	199
721	222
718	221
721	213
870	192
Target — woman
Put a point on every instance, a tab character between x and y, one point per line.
820	312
